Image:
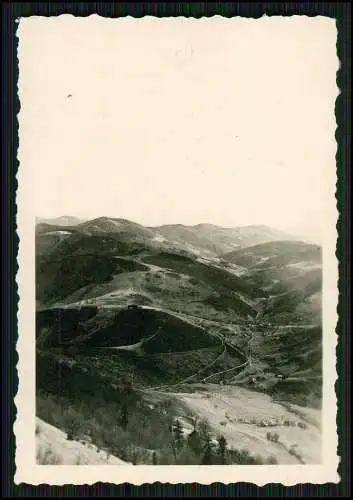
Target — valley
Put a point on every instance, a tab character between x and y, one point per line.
215	325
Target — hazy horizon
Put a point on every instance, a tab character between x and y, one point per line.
302	237
211	126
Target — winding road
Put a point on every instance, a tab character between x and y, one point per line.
191	376
226	346
239	352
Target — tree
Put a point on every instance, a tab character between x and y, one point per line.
187	457
206	446
178	433
166	456
194	422
124	418
128	384
222	449
207	458
241	457
206	443
71	423
133	454
194	442
204	430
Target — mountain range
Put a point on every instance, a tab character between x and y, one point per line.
177	306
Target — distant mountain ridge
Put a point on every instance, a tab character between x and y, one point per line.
201	239
219	239
64	220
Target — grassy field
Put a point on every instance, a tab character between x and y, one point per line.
245	417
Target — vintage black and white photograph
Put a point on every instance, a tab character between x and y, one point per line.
177	221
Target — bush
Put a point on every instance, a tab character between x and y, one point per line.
194	442
222	450
243	457
72	423
137	455
272	436
295	452
289	423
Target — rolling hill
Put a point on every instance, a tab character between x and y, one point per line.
104	231
291	273
215	239
172	306
204	240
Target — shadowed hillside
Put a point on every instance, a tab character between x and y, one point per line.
87	327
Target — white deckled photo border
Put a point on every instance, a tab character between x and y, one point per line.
27	471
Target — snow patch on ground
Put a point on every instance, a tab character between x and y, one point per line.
234	411
118	293
132	347
64	233
115	223
262	259
53	446
203	260
159	238
305	265
192	249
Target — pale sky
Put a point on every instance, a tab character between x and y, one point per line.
225	121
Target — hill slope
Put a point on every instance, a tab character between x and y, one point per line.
120	305
291	273
53	448
216	239
109	265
